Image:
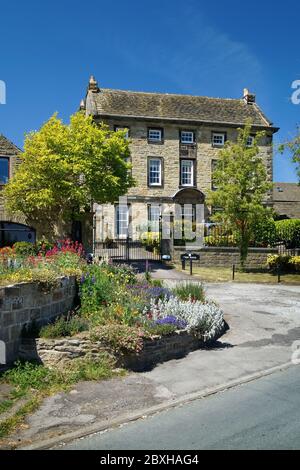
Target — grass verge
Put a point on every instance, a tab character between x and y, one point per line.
33	382
220	274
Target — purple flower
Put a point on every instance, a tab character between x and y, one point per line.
171	320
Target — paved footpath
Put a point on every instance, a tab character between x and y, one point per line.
264	322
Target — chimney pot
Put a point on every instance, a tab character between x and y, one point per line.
249	98
93	84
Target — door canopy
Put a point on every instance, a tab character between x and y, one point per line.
189	196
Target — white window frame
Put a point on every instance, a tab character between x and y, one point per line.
123	128
122	231
159	182
191	164
155	132
250	141
187	141
154	213
218	135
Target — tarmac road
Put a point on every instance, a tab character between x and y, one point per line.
263	414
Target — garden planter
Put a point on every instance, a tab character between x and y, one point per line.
58	352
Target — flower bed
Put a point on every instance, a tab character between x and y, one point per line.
118	310
44	263
139	324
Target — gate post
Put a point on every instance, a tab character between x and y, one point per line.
127	253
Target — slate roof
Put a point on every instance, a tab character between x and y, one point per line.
286	192
107	102
7	147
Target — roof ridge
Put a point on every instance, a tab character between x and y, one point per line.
170	94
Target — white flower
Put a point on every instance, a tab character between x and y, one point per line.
204	320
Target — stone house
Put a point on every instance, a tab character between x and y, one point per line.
286	200
12	228
175	142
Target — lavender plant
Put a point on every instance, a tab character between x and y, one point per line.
203	320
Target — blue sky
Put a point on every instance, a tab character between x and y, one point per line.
50	48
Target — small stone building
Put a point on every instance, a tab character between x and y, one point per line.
175	143
12	229
286	200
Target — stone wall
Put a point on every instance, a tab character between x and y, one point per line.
226	257
57	352
22	304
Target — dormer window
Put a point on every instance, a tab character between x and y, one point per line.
187	137
155	135
4	170
218	139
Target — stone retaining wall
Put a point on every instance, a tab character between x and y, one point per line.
25	303
226	256
57	352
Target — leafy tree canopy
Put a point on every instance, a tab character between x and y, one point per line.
66	167
242	186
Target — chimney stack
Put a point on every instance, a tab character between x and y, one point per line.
249	98
82	105
93	85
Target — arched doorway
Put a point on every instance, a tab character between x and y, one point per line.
189	196
11	232
189	213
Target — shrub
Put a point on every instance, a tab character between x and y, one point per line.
97	289
190	291
202	319
281	262
288	232
295	263
120	338
164	326
43	246
222	240
121	273
24	249
63	327
151	241
264	233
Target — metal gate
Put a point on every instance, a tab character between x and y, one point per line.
126	250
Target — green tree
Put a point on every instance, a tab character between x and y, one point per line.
64	168
241	181
293	147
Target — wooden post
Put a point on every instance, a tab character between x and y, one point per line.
191	266
147	266
233	271
278	274
183	264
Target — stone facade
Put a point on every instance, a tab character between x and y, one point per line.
25	303
58	352
286	197
11	152
226	257
173	114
